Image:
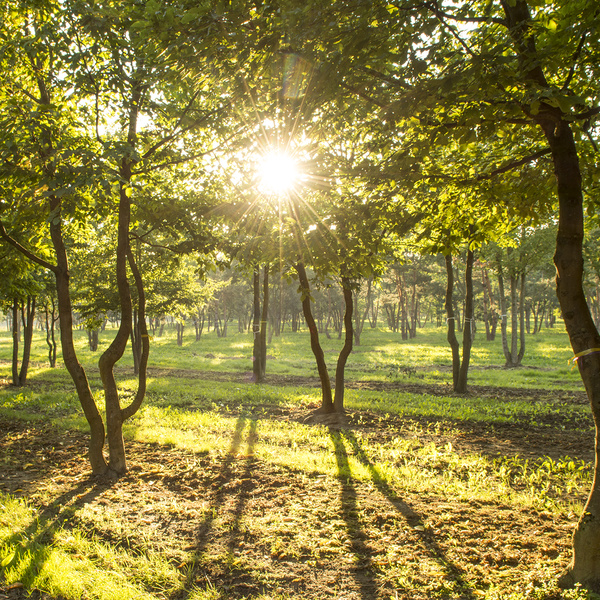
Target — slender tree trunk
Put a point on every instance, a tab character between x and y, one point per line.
51	317
514	321
77	372
264	321
521	353
347	348
461	383
257	353
28	318
454	346
503	315
108	360
15	346
327	399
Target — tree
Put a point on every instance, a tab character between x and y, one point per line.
501	71
88	75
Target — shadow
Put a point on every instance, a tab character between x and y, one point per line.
32	544
246	487
228	482
452	570
363	568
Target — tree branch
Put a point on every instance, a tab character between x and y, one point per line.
27	253
574	61
510	166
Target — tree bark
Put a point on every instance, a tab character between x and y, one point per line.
327	399
461	383
338	401
77	372
15	345
256	354
585	340
584	567
454	346
264	321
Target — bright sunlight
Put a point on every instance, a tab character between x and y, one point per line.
278	173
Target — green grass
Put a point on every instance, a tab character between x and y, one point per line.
207	418
381	356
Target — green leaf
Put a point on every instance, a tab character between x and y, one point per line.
7	560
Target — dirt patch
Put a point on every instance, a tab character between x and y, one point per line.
249	528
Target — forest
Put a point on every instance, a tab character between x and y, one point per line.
344	250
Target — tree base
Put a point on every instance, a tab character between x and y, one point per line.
332	419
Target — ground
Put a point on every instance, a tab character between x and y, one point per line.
257	528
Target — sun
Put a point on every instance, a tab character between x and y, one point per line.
278	173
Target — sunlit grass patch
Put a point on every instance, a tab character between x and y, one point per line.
40	553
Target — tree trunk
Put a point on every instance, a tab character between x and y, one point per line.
27	317
585	340
347	348
77	372
16	334
264	321
461	383
568	257
50	338
503	315
256	353
514	321
454	346
521	320
327	399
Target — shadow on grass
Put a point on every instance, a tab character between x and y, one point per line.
230	482
32	546
452	571
363	553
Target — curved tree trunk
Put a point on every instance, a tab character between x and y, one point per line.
585	340
461	383
568	258
77	372
28	316
114	352
327	399
338	401
454	346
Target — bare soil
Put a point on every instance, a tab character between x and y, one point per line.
253	527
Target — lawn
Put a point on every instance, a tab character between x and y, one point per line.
233	492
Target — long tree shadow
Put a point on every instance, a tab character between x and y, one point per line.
32	545
227	471
453	571
363	569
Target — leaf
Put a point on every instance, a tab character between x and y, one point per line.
7	560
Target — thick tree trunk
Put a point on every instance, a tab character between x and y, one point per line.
338	401
585	340
327	399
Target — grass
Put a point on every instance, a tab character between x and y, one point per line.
403	447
